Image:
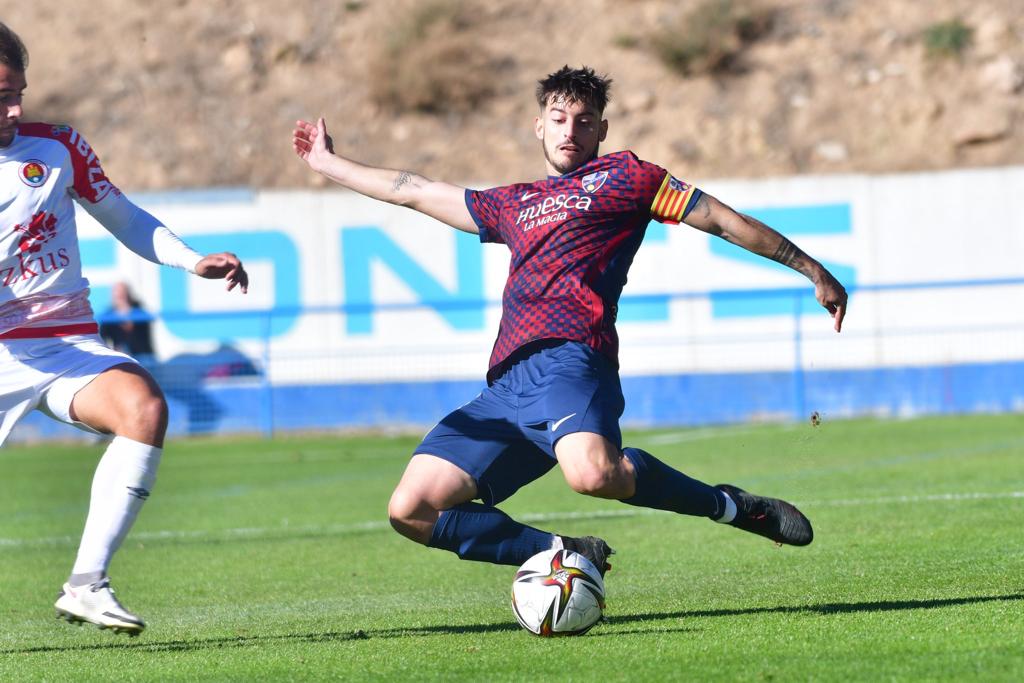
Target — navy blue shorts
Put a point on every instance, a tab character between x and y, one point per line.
505	437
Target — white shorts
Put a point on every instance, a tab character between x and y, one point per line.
47	373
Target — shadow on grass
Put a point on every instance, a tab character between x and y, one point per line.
348	636
142	645
826	608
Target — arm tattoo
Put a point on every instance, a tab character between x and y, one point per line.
702	205
787	253
404	178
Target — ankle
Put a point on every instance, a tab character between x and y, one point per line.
729	509
85	578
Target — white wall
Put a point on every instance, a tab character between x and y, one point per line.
885	230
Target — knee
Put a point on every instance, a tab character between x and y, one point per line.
150	414
142	417
602	480
594	466
405	513
399	511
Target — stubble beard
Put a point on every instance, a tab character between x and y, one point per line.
568	168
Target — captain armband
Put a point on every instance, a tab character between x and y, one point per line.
674	199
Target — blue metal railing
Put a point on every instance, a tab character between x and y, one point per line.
473	304
267	406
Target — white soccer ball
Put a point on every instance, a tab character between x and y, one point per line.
558	593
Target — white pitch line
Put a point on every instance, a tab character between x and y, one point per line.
257	533
211	534
700	434
934	498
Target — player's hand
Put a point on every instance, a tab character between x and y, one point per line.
312	143
832	296
224	266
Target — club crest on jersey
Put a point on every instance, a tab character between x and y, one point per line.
33	173
592	182
40	230
57	131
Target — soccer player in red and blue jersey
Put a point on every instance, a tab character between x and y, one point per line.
553	393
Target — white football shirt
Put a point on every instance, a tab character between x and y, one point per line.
41	172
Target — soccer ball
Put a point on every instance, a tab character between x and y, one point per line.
558	593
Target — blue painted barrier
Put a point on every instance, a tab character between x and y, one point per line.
227	393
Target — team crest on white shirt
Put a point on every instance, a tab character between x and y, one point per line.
33	173
40	230
592	182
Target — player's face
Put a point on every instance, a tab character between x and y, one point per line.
570	133
12	84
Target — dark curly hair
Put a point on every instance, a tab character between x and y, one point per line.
12	51
575	85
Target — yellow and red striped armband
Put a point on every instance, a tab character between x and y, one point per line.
673	200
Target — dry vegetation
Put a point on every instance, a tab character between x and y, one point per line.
434	60
711	37
204	92
948	38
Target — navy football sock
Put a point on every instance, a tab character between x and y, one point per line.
486	534
663	488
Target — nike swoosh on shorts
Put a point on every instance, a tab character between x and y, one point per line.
557	424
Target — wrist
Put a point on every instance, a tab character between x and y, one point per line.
815	271
330	167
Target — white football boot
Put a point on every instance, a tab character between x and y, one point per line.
96	604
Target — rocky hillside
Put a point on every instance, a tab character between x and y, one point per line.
196	93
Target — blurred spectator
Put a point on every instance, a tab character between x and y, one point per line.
125	326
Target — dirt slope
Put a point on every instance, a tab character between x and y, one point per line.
195	93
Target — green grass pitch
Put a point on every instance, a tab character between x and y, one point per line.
273	560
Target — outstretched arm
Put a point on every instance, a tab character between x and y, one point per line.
141	232
443	201
714	217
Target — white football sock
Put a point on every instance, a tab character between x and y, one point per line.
123	479
730	510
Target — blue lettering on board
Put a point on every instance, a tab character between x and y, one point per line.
461	307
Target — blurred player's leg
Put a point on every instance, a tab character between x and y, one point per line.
125	401
95	603
123	480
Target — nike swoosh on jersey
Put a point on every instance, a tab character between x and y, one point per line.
556	425
528	195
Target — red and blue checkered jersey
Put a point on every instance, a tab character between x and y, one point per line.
573	238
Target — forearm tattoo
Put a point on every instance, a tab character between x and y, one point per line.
787	253
404	178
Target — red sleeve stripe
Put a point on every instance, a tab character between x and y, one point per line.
48	332
89	181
